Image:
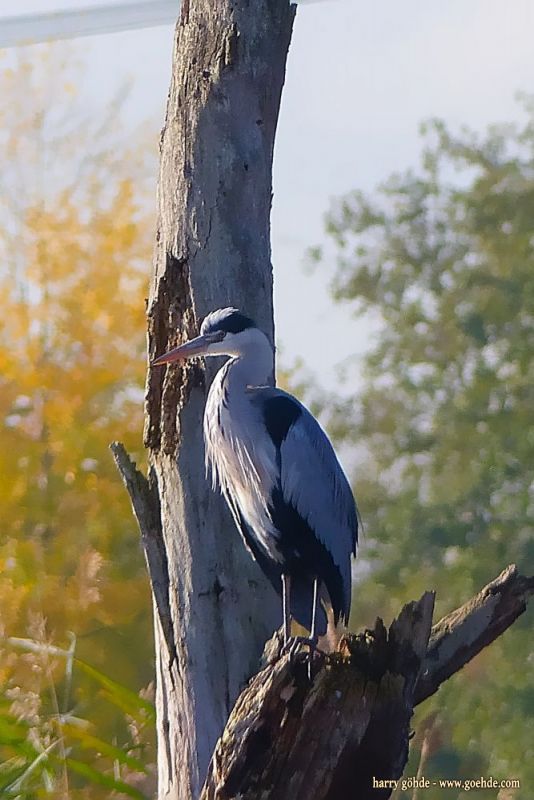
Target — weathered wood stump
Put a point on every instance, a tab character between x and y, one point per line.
345	734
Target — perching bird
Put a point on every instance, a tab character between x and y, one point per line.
278	472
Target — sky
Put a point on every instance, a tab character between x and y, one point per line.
361	78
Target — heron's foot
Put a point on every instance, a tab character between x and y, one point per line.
293	645
310	659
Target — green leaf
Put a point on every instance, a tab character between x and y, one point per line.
10	772
89	742
101	779
30	766
12	731
121	696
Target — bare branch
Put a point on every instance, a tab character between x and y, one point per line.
145	501
461	635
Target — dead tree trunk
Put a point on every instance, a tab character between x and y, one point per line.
214	610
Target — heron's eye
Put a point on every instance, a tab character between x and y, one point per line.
216	336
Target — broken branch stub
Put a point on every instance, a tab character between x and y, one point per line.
346	733
289	739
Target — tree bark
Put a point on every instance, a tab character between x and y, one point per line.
345	734
213	608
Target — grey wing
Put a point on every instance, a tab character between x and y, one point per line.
312	480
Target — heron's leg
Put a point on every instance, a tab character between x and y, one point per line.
313	635
286	587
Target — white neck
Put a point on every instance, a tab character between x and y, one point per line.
253	366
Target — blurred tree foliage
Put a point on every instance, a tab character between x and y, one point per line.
75	241
441	261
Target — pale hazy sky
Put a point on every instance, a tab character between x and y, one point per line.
361	77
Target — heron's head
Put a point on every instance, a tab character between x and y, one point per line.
225	332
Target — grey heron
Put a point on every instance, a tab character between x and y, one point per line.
279	474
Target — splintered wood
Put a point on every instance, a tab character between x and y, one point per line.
289	738
345	734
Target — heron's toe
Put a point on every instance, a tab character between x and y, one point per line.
295	647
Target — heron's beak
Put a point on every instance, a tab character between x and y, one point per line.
195	347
